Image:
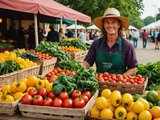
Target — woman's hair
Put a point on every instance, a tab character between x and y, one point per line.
120	30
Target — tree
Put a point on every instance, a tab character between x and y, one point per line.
148	20
136	22
158	15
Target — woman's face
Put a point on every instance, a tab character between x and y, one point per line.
111	25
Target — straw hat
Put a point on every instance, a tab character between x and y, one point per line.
111	12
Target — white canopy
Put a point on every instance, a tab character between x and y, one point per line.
132	27
73	27
93	27
152	25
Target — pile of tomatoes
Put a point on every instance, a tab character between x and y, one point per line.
42	97
54	74
42	56
71	49
118	78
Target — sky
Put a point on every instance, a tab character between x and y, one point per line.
149	8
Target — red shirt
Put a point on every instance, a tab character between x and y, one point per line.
144	35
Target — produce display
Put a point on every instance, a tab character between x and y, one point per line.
70	65
30	56
118	78
152	71
53	50
76	43
71	49
114	104
4	45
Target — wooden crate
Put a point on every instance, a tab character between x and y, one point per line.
79	56
55	112
124	88
9	108
46	66
25	73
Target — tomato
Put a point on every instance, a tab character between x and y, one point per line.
96	74
68	103
100	75
87	93
38	100
106	74
63	95
134	83
47	101
113	81
32	92
119	76
66	72
51	80
52	95
119	81
42	92
85	98
129	76
113	76
72	73
78	103
100	79
59	70
55	71
76	93
26	99
57	103
49	75
139	76
105	78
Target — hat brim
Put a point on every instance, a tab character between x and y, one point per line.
125	21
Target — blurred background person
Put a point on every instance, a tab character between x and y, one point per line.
82	35
52	35
144	38
60	34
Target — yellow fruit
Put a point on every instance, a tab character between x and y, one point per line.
6	53
24	80
120	112
13	87
101	103
7	98
111	107
145	103
5	87
106	93
32	81
49	87
127	99
155	111
7	92
156	119
106	113
95	112
21	87
18	95
115	98
145	115
132	116
138	107
45	82
116	91
129	108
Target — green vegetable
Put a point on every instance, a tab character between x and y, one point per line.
30	56
8	67
152	96
158	103
136	97
4	45
70	65
151	104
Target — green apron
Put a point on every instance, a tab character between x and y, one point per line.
110	62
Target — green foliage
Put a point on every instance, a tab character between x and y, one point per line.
136	22
152	71
158	15
30	56
148	20
4	45
70	65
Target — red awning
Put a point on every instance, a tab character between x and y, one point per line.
44	7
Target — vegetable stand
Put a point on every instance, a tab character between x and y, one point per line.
55	112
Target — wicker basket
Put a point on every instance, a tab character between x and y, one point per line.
79	56
55	112
124	88
25	73
46	66
9	108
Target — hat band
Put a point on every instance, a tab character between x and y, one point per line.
111	15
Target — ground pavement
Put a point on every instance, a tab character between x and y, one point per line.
144	55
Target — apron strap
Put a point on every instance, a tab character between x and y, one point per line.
120	44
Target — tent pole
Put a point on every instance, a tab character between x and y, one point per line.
60	22
75	29
36	29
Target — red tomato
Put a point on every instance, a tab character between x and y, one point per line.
87	93
119	81
45	78
113	81
85	98
100	79
49	75
119	76
57	103
96	74
113	76
55	71
32	92
47	101
139	82
42	92
66	72
26	99
68	103
72	73
128	76
105	78
51	80
130	80
37	100
78	103
134	83
52	95
63	95
106	74
52	73
59	70
76	93
139	76
100	75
